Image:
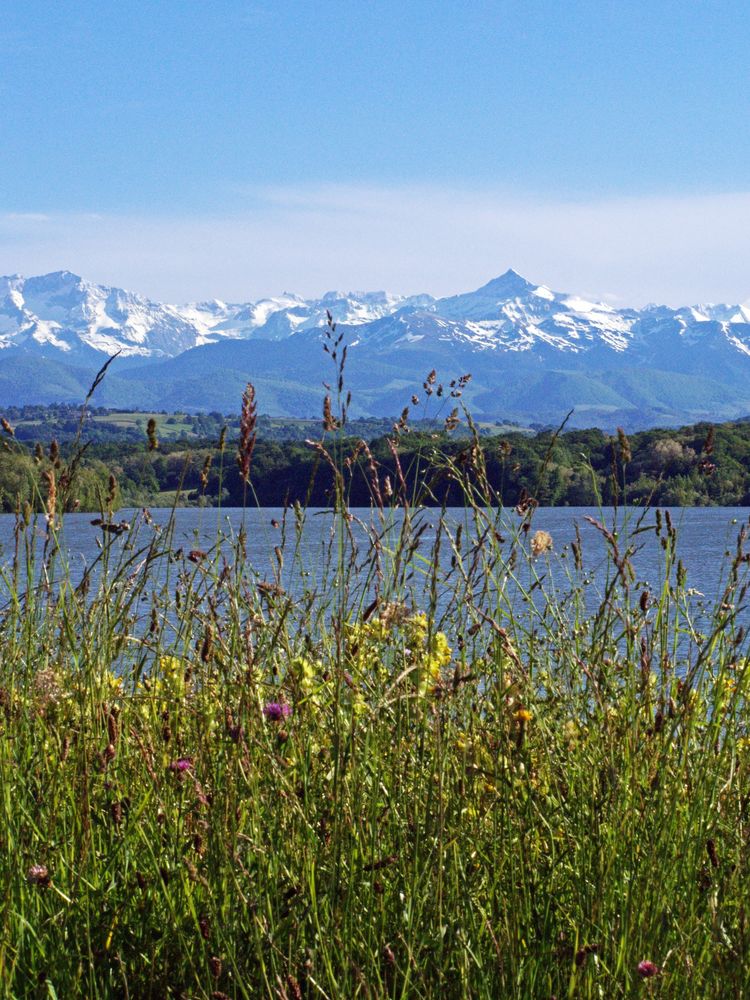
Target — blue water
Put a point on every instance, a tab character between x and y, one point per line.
544	596
706	540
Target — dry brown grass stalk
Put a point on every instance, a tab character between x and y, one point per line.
48	476
153	441
248	432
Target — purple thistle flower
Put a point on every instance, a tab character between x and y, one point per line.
181	764
39	875
647	969
275	711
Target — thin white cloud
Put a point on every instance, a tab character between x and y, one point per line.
27	217
408	239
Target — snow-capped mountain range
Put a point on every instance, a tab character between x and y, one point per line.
62	311
533	352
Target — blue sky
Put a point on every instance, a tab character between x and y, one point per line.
189	149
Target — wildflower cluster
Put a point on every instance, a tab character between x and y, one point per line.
398	643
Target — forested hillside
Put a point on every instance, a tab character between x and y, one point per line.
697	465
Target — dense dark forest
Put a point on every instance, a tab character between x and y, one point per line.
697	465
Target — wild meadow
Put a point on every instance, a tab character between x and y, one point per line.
459	767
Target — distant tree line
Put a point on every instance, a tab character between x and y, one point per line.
692	466
62	421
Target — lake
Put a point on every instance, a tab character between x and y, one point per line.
706	539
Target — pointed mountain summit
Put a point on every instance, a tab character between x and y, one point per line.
509	285
486	303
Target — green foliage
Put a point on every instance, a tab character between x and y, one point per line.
432	769
572	468
428	764
18	475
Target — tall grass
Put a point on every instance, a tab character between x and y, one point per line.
432	768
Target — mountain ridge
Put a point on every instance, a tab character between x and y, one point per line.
534	353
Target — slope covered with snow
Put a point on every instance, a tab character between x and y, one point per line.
62	311
529	348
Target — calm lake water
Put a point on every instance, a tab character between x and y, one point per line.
706	539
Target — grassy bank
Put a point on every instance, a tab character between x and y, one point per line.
432	769
210	787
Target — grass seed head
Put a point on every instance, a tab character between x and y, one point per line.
248	433
622	440
541	542
153	441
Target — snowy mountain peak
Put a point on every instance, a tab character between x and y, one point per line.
534	352
54	278
62	312
507	285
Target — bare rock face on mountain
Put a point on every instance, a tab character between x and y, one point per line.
534	353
